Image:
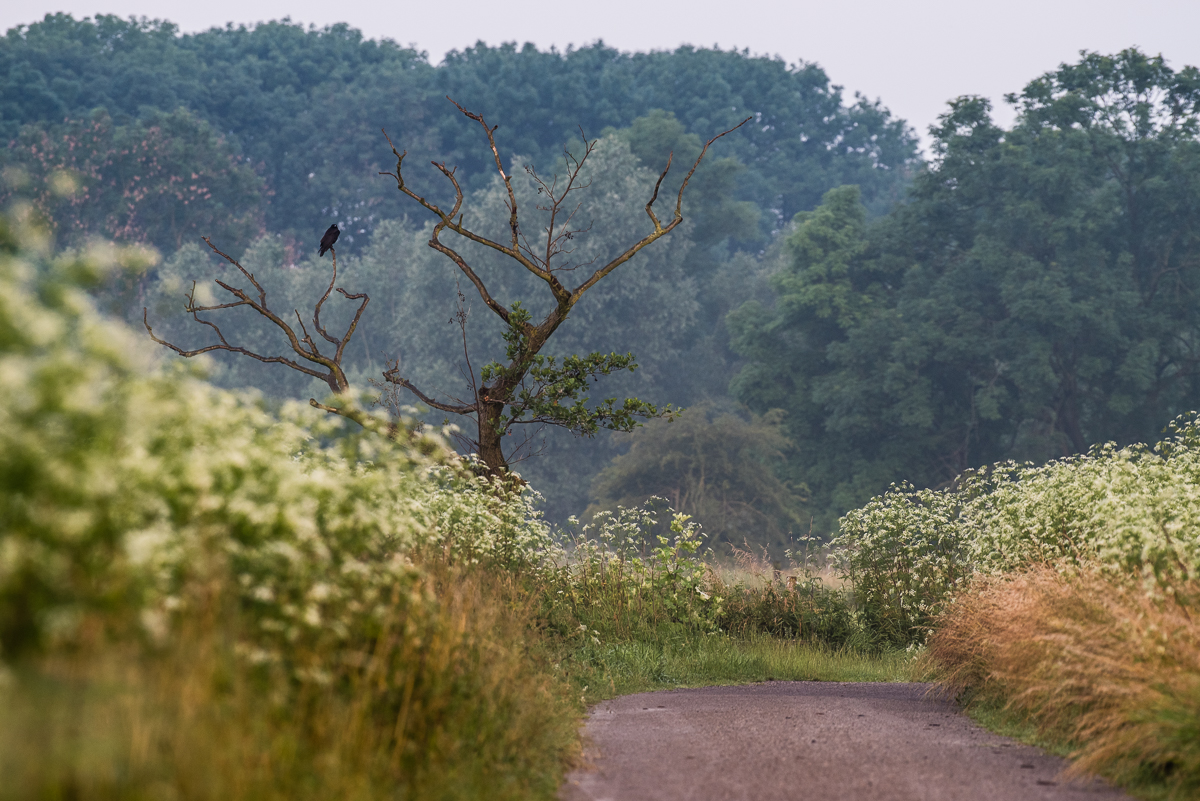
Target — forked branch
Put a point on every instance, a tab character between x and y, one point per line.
660	230
392	376
310	360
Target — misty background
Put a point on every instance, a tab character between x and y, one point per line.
859	295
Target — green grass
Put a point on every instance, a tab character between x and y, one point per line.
992	714
620	668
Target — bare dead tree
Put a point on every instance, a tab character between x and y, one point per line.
530	388
311	361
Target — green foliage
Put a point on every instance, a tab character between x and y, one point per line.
804	138
1031	297
304	107
709	201
481	521
549	394
718	469
905	555
540	399
618	562
1131	511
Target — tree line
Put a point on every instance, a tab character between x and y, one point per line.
844	315
1037	292
303	109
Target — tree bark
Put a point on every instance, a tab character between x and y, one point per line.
491	451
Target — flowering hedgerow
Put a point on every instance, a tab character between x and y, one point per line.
126	493
1132	510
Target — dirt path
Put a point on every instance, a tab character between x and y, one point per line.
815	741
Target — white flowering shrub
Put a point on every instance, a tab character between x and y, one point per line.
1133	510
902	554
134	496
482	520
618	562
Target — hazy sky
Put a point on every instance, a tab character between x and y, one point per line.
913	55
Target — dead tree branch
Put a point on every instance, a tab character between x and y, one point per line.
311	361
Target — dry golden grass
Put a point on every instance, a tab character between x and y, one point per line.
448	702
1091	659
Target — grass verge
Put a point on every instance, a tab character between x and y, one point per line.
453	702
619	668
1092	663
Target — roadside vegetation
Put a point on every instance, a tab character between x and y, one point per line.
1060	599
202	596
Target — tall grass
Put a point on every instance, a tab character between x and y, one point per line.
1090	659
444	703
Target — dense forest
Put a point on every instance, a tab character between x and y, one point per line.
838	314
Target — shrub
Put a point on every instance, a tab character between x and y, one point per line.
619	579
1133	510
715	467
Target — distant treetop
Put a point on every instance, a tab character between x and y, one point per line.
303	107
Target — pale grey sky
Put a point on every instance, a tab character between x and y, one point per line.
913	55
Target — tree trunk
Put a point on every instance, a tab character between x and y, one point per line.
490	439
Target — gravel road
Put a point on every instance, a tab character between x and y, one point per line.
808	741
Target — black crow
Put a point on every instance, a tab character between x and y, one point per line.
330	237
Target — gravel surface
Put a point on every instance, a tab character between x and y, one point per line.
809	741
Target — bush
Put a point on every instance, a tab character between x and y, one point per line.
1131	511
715	467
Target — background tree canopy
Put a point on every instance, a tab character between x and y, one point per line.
1035	294
1026	294
304	108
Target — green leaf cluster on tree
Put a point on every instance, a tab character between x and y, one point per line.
1036	293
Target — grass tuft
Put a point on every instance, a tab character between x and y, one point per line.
630	667
1094	661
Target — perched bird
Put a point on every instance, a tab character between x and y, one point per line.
330	237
